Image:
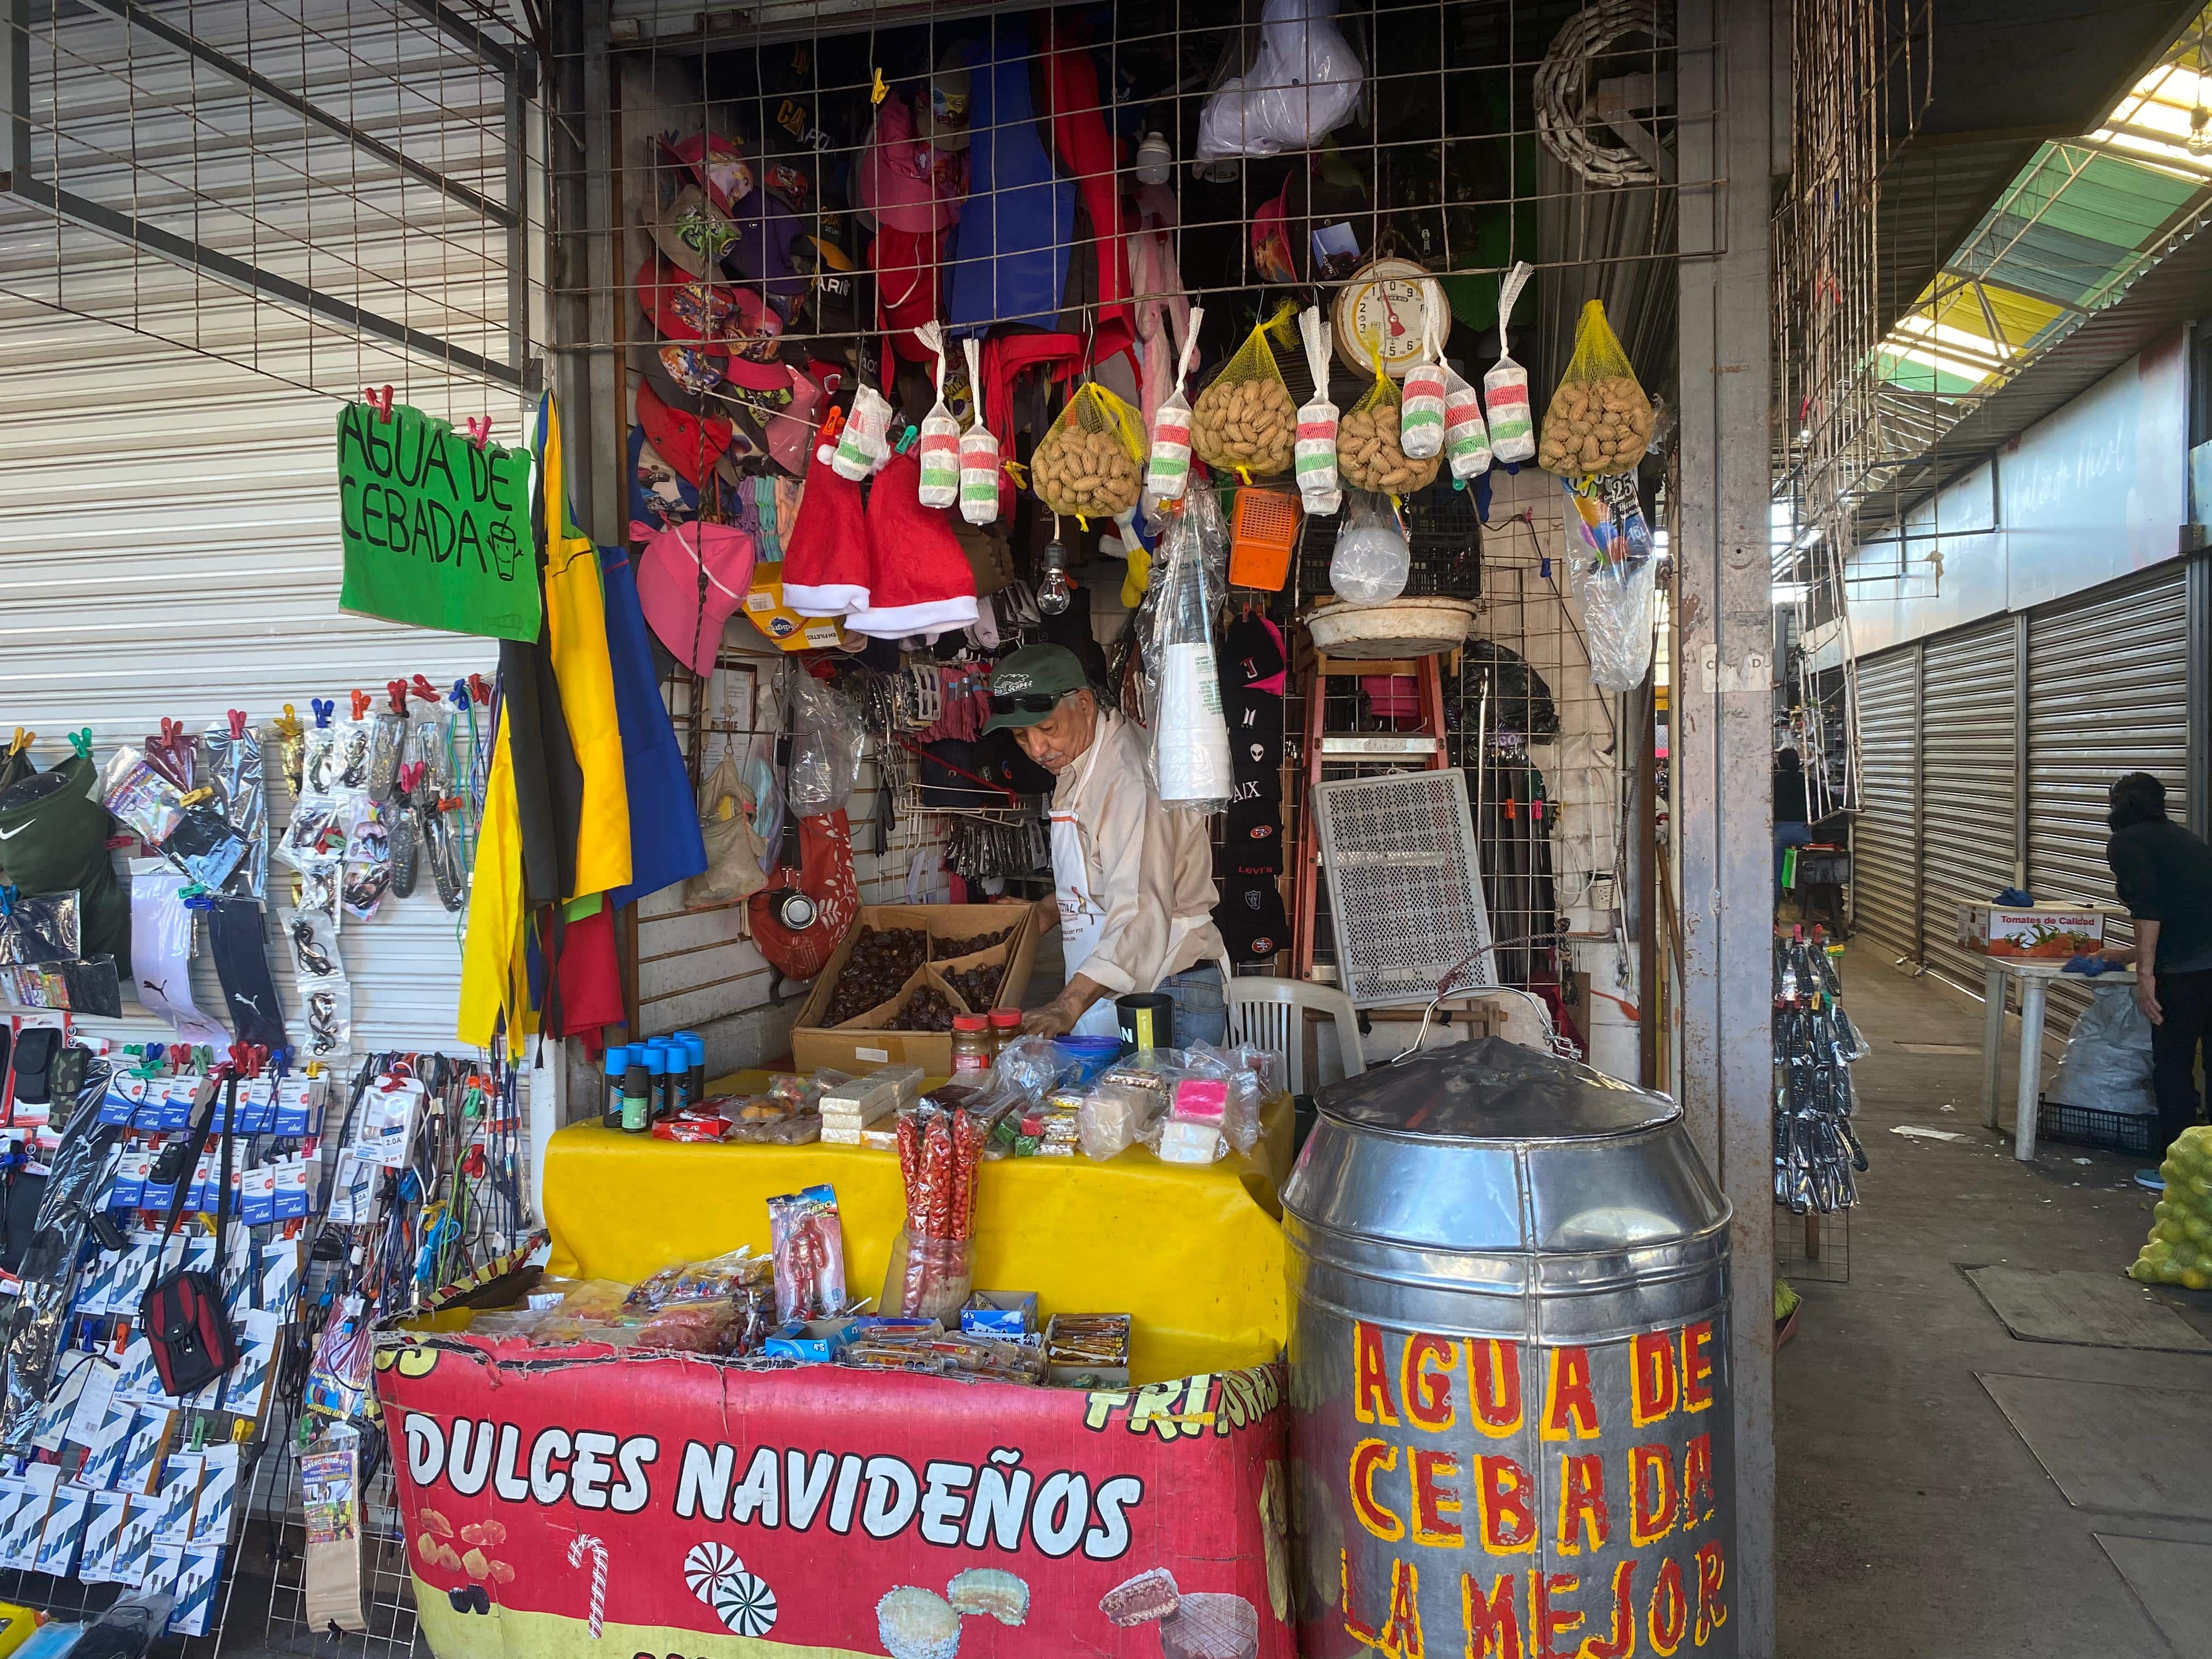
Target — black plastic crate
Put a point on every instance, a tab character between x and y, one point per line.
1822	868
2089	1125
1443	545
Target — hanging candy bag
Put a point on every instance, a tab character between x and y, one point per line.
1421	399
979	454
940	434
1091	462
862	446
1245	422
1505	388
1317	423
1368	455
1466	440
1599	420
1167	474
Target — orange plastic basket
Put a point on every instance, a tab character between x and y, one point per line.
1263	529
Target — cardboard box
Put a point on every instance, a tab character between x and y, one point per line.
817	1340
860	1049
1000	1313
2041	932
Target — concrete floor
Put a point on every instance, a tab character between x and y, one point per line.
1914	1520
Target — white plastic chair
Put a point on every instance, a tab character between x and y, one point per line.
1270	1014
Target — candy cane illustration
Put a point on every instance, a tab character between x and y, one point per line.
584	1540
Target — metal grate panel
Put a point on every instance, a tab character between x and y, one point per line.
1404	890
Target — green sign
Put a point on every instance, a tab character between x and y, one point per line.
436	530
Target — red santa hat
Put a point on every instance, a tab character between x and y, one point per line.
920	581
825	560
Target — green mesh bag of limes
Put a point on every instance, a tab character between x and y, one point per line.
2180	1251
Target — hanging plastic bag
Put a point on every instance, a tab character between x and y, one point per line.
940	434
733	848
1421	399
1245	422
1372	559
1612	575
234	772
1090	464
1190	735
1167	473
1305	80
1505	388
979	453
863	446
1317	423
1466	440
825	747
1599	421
1368	456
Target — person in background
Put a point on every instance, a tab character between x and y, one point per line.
2164	876
1791	828
1133	880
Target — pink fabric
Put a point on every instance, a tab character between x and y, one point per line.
1163	305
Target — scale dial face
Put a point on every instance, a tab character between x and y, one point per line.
1381	309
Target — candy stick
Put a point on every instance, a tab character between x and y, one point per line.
585	1541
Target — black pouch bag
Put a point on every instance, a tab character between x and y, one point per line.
183	1316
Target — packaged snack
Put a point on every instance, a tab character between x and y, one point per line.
1167	472
1113	1118
721	1277
979	455
940	448
863	445
1421	399
1317	423
1367	446
931	1270
1088	464
1466	440
1245	422
1505	388
1599	420
809	1249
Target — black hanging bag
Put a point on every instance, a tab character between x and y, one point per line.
183	1316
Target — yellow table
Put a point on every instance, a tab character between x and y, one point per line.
1194	1253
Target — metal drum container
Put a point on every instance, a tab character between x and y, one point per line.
1509	1368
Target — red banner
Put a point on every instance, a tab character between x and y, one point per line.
581	1501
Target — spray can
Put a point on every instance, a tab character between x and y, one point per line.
637	1093
695	1049
617	1068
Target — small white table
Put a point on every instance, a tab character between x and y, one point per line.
2034	979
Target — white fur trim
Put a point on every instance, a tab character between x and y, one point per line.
896	622
828	600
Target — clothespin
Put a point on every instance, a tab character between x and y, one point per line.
410	777
82	742
423	690
24	739
173	733
379	399
361	700
460	695
878	91
237	718
479	432
197	898
480	689
205	792
397	690
288	723
324	707
833	424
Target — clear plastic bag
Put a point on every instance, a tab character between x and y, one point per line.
1113	1118
1189	746
1599	419
1372	559
809	1253
1305	81
234	772
863	445
1466	440
939	447
979	454
825	747
2107	1064
1090	464
1315	449
1245	422
1421	399
1505	388
1167	470
717	1279
1612	575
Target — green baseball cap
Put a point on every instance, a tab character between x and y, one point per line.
1027	683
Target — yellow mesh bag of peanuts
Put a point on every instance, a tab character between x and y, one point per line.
1599	419
1092	463
1245	422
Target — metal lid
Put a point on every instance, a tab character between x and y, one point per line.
1494	1090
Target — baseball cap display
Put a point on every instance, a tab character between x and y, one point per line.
1252	836
1252	653
1255	739
659	497
945	117
778	623
691	231
689	580
689	443
1027	685
715	163
1251	917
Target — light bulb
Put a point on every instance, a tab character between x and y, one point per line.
1155	159
2199	142
1054	595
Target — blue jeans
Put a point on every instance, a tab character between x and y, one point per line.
1787	835
1201	1008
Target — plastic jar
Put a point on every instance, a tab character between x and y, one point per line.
972	1048
1005	1028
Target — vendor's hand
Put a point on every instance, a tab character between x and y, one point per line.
1053	1020
2120	956
2146	997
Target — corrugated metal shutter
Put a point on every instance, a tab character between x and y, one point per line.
1885	836
168	531
1969	725
2108	693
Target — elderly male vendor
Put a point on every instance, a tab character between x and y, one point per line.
1132	879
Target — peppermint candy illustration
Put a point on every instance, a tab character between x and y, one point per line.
745	1603
707	1567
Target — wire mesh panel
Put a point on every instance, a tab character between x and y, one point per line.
1404	890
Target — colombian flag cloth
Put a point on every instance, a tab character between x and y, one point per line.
576	638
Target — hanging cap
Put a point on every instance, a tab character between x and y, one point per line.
944	120
715	165
668	587
691	231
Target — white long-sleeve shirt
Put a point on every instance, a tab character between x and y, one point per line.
1148	868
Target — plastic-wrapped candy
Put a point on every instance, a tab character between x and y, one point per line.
1316	455
940	448
1167	470
979	456
862	446
1466	440
1421	400
1505	388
